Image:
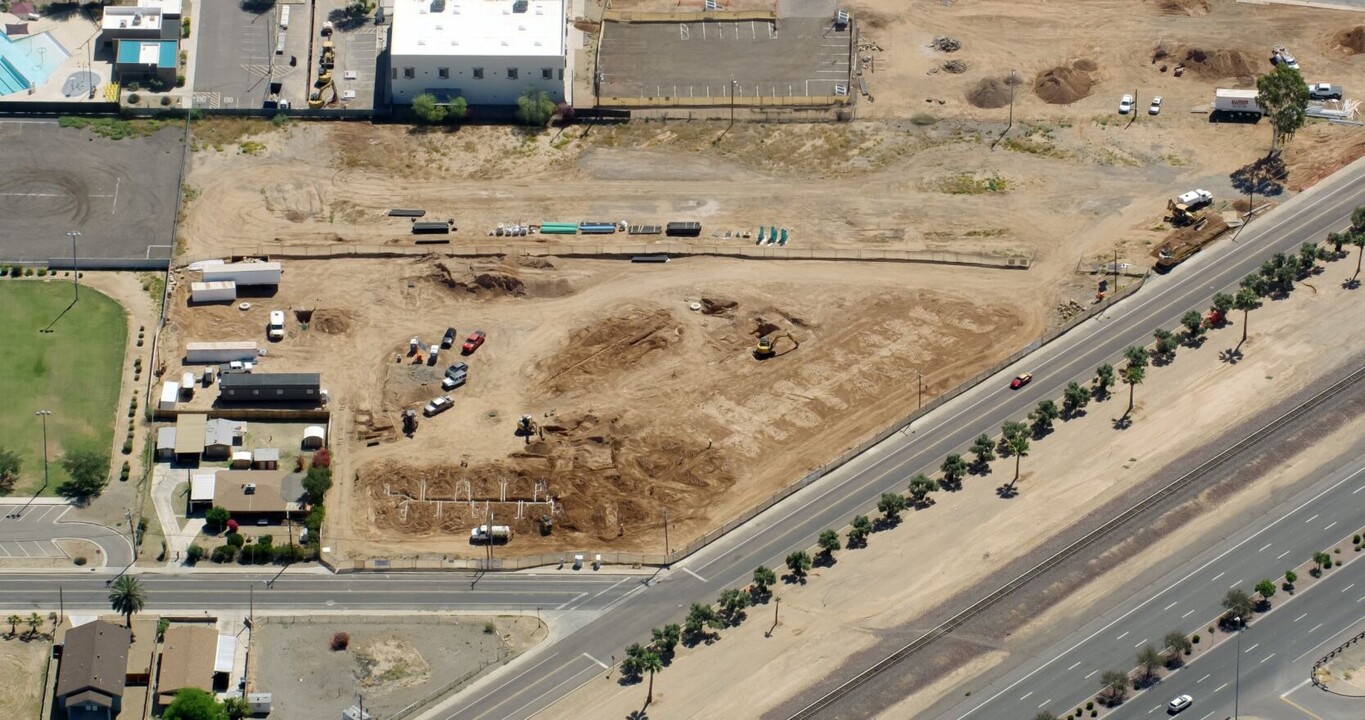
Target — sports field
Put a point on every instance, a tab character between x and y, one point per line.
74	371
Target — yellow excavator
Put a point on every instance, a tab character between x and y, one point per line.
527	427
324	84
1180	214
767	345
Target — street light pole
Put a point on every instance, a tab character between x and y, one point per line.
920	375
1237	686
75	270
665	536
43	414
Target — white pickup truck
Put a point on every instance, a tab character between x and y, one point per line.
1324	91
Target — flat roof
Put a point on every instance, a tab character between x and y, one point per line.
161	53
202	485
165	438
240	380
189	433
230	492
130	17
478	28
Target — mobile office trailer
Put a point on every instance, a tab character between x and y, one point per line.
202	353
253	273
1236	101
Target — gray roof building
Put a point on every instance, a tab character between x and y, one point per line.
270	387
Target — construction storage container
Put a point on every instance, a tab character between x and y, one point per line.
205	292
198	353
252	273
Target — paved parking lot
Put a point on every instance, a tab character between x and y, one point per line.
31	534
797	56
119	194
235	53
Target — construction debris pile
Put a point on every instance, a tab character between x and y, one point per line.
944	43
1069	309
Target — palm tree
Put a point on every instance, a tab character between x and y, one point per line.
127	597
1074	398
1321	559
953	469
1135	372
1337	239
920	487
1104	379
1246	301
1358	239
13	621
1019	447
35	623
649	661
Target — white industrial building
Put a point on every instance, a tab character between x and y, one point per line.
487	51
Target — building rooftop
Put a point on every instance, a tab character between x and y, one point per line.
266	495
202	485
250	380
478	27
165	438
221	431
94	659
131	17
189	433
161	53
187	661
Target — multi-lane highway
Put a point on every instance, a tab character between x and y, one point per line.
1188	599
622	612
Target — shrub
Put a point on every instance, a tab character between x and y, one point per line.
340	641
194	553
162	625
165	100
224	554
28	272
235	539
1195	639
322	459
264	540
179	82
133	98
128	446
216	517
80	560
184	27
1355	539
41	272
489	628
284	554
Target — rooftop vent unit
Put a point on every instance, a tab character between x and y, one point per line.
249	489
520	6
438	6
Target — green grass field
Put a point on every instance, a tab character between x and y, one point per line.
74	371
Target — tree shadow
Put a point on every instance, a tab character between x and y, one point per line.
1194	341
1007	491
344	19
856	543
950	485
637	715
1146	680
794	579
1123	422
628	680
1100	394
1162	360
1231	356
979	469
760	598
1351	283
1038	432
885	523
1265	176
824	560
256	7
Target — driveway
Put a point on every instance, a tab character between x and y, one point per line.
31	535
178	539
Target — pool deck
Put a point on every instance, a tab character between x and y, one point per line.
74	35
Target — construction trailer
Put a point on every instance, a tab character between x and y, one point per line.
270	388
683	229
1227	100
170	395
219	291
248	273
212	353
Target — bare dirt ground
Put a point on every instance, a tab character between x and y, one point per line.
645	403
603	349
970	534
1346	672
22	664
390	661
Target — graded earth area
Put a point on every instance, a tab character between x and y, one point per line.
644	404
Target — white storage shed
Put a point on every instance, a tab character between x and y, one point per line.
206	292
170	393
314	437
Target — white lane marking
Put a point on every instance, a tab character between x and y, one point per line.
1045	702
1092	674
1315	627
1202	679
1239	582
1168	607
1253	647
609	588
1220	687
1348	587
1167	589
1281	557
1267	657
1215	577
1025	697
571	600
689	572
1078	662
1124	635
1182	617
1362	597
1362	487
1264	547
599	662
1311	519
1140	642
1329	527
537	698
1300	617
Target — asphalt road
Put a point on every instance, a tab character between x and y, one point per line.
1188	599
626	610
31	534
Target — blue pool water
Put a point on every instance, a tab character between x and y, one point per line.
28	60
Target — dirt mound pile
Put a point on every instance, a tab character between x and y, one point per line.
484	281
533	261
990	93
332	322
1351	41
597	352
1062	85
1085	65
1210	64
1191	8
717	305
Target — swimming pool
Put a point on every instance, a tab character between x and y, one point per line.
29	60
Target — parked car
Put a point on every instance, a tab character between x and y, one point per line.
449	338
1155	106
1021	380
438	406
1179	704
1125	104
473	342
455	376
275	330
458	369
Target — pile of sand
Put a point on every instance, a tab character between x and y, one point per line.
494	280
991	93
717	305
1062	85
1351	41
1211	64
1184	7
331	322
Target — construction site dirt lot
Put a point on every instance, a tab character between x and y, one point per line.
644	403
391	662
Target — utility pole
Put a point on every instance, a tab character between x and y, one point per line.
733	83
61	608
665	536
75	270
1116	271
1011	122
132	531
920	375
1237	687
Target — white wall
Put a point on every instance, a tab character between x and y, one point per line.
494	88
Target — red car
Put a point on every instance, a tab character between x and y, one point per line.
1021	380
473	342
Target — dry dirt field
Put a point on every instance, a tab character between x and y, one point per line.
968	535
390	661
648	405
22	664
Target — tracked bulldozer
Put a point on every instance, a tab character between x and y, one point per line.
767	345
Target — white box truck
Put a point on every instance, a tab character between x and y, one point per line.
212	353
1235	101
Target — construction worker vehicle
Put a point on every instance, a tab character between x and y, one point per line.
767	345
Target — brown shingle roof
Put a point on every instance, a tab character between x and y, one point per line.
229	491
186	661
94	657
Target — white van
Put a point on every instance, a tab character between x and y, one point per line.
284	16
